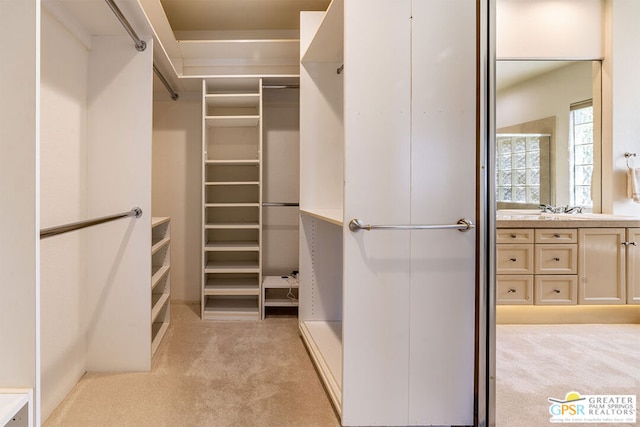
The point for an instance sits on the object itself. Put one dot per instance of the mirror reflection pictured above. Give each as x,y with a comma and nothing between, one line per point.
548,135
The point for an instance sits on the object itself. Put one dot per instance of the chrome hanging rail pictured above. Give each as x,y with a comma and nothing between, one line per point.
462,225
166,84
54,231
140,44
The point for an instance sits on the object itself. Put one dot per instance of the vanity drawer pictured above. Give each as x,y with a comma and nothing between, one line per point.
556,235
556,259
556,290
514,235
514,259
514,289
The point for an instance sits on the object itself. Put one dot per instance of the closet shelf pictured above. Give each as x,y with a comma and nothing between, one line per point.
327,44
158,302
232,226
232,121
11,402
324,341
159,244
281,302
221,183
231,246
158,272
232,205
333,216
232,162
232,267
231,308
232,287
158,330
232,100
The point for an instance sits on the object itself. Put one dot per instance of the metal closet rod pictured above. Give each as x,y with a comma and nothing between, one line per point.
54,231
140,44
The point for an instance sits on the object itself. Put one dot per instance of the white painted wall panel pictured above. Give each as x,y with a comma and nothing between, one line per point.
377,96
119,162
19,187
177,186
63,199
443,183
562,29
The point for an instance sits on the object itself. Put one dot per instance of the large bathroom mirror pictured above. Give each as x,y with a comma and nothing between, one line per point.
548,143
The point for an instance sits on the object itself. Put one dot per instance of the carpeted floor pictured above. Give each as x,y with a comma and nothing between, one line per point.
259,374
208,374
536,362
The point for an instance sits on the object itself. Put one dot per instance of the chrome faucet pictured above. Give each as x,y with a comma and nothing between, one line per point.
550,209
572,209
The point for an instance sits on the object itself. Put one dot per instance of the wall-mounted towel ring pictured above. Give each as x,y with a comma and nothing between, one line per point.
629,161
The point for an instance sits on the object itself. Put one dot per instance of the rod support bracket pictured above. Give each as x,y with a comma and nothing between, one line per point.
137,212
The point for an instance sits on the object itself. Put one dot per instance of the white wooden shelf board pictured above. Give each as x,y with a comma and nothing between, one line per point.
231,308
157,220
158,272
232,267
232,246
232,162
232,205
232,121
232,100
158,301
232,183
158,330
280,302
157,245
324,341
250,50
11,402
334,216
327,45
232,226
232,287
277,282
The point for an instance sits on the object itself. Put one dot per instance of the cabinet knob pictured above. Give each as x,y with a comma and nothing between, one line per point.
630,243
511,291
557,291
557,236
556,258
513,236
513,259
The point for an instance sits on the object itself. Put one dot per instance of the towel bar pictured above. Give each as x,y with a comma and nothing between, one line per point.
462,225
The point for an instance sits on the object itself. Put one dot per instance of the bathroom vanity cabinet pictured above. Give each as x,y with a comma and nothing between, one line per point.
585,263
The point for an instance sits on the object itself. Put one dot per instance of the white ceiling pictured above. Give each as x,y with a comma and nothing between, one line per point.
224,15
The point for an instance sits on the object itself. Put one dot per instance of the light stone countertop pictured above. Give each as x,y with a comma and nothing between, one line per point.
530,219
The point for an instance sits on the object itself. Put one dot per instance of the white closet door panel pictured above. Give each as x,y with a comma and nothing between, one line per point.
443,177
377,159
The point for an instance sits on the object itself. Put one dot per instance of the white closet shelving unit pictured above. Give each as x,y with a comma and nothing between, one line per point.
15,407
232,198
387,112
160,279
322,193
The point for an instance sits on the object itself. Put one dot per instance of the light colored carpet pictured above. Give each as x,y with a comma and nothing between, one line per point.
208,374
535,362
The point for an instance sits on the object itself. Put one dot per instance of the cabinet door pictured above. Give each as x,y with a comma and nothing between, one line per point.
633,266
601,266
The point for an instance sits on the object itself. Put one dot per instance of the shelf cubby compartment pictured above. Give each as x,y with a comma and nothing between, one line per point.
226,307
238,213
232,284
232,85
236,141
232,194
216,174
16,407
232,262
160,279
232,104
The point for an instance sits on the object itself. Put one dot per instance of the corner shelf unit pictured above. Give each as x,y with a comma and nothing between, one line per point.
231,198
16,407
279,291
160,279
